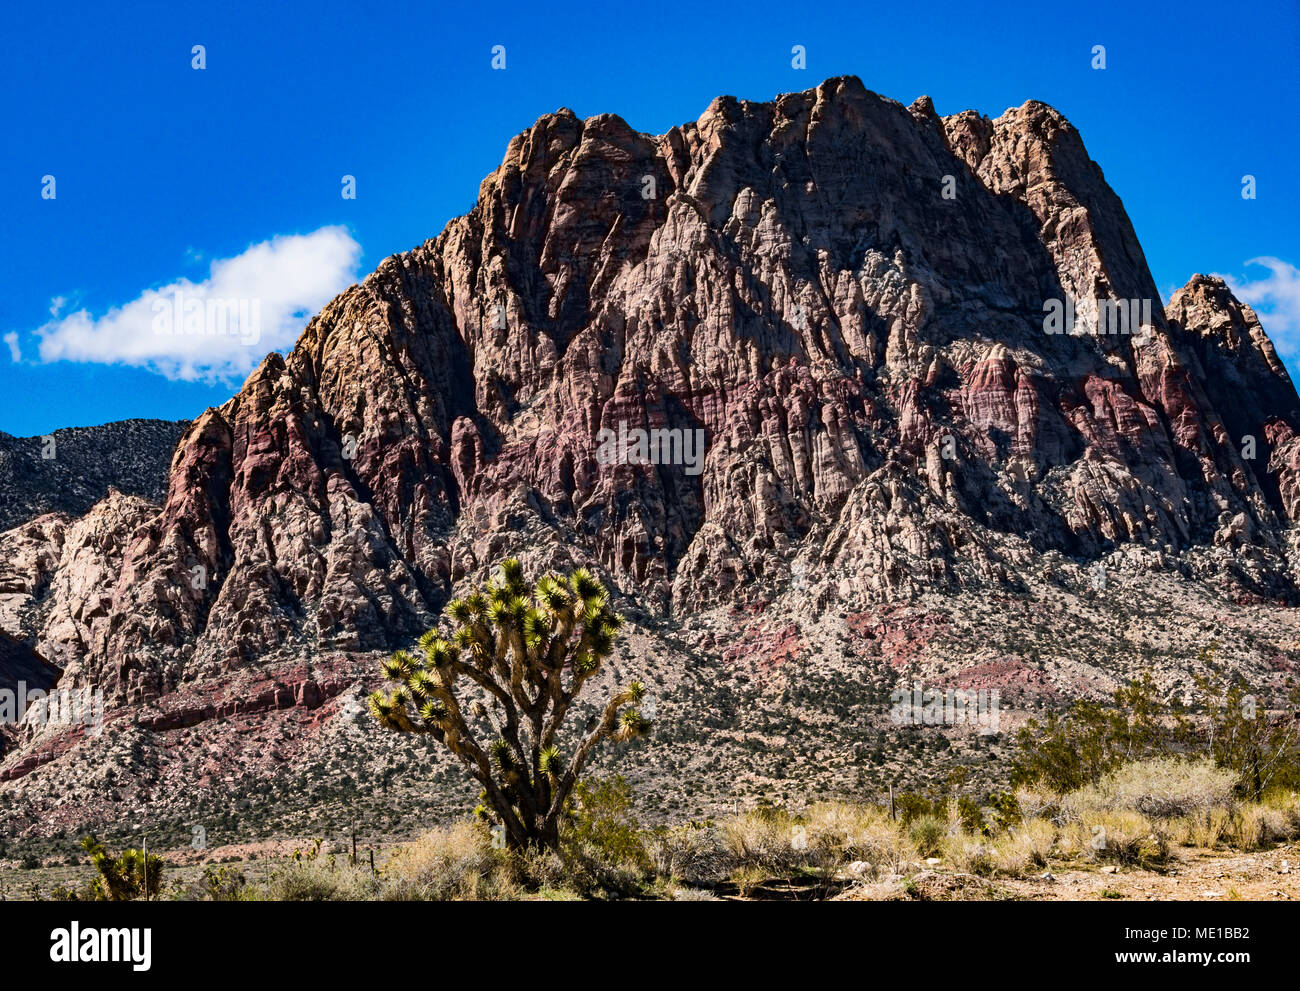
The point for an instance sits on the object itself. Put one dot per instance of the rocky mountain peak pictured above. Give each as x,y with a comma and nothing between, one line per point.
826,311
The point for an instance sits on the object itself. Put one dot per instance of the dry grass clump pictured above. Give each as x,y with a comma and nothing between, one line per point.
316,878
967,853
679,894
692,853
1249,828
1208,830
1131,817
764,837
1286,804
1120,835
1199,831
748,877
1023,847
840,833
445,864
1037,803
1162,788
928,832
765,843
1258,825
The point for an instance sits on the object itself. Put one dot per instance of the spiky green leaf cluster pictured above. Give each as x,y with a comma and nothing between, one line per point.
127,876
528,650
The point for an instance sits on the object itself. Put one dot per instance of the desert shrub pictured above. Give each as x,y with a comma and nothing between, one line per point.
220,884
1023,847
449,864
1088,741
839,833
910,806
763,837
1119,835
1004,810
311,877
927,833
1079,747
600,841
692,853
1263,751
540,871
1161,787
320,882
971,815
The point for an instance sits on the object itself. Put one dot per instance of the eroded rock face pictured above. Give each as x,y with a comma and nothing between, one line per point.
881,407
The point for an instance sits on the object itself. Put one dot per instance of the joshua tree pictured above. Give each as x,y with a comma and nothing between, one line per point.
528,651
131,875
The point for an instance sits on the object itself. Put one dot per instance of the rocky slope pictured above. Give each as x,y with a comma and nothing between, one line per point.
905,473
70,470
22,670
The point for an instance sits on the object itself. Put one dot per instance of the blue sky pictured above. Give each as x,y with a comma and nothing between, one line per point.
161,170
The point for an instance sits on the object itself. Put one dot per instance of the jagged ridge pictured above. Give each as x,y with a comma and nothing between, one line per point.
798,288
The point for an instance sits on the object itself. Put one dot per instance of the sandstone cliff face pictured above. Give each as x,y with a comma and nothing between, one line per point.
882,409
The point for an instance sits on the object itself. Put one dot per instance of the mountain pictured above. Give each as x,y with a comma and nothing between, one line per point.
48,482
70,470
905,472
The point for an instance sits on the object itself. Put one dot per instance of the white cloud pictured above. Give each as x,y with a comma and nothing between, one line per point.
221,327
1275,298
15,352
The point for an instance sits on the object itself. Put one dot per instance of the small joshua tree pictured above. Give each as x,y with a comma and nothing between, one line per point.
123,878
527,651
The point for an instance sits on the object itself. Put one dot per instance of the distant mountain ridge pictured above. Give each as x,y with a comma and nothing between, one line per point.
132,456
